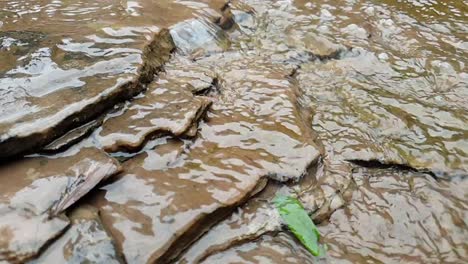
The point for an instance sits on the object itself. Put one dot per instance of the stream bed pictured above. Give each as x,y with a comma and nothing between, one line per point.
141,131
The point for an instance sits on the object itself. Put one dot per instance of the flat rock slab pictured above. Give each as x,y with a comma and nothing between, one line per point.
63,64
36,191
253,131
321,194
167,107
275,248
51,185
24,233
32,119
85,241
249,222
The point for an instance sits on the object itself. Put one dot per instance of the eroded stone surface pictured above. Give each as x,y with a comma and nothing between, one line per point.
280,248
23,233
249,222
45,115
85,241
360,123
372,102
397,97
253,130
55,76
36,191
171,106
166,108
259,217
193,77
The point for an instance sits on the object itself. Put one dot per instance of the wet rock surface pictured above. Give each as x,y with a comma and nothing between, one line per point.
36,191
397,216
281,248
241,144
166,108
57,76
24,233
248,223
213,108
197,37
85,241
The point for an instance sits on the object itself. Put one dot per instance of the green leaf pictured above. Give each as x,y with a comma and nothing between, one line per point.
299,222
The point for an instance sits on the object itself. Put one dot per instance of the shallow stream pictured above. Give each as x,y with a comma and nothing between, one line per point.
142,131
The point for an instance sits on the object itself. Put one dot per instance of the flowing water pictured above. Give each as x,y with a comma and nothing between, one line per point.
143,131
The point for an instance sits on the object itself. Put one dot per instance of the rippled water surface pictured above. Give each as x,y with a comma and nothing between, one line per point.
143,131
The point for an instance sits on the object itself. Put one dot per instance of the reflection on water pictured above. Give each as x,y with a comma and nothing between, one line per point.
59,56
400,217
251,94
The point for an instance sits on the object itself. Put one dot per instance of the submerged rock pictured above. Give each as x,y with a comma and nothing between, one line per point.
198,37
249,222
395,216
36,191
362,122
23,233
64,64
85,241
195,78
279,248
51,185
326,190
320,192
166,108
252,132
35,112
206,148
171,207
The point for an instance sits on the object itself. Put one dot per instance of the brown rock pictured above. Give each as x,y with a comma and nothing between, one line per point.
52,113
36,191
85,241
166,108
254,130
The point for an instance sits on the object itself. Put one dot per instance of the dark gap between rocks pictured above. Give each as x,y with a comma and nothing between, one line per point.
375,164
